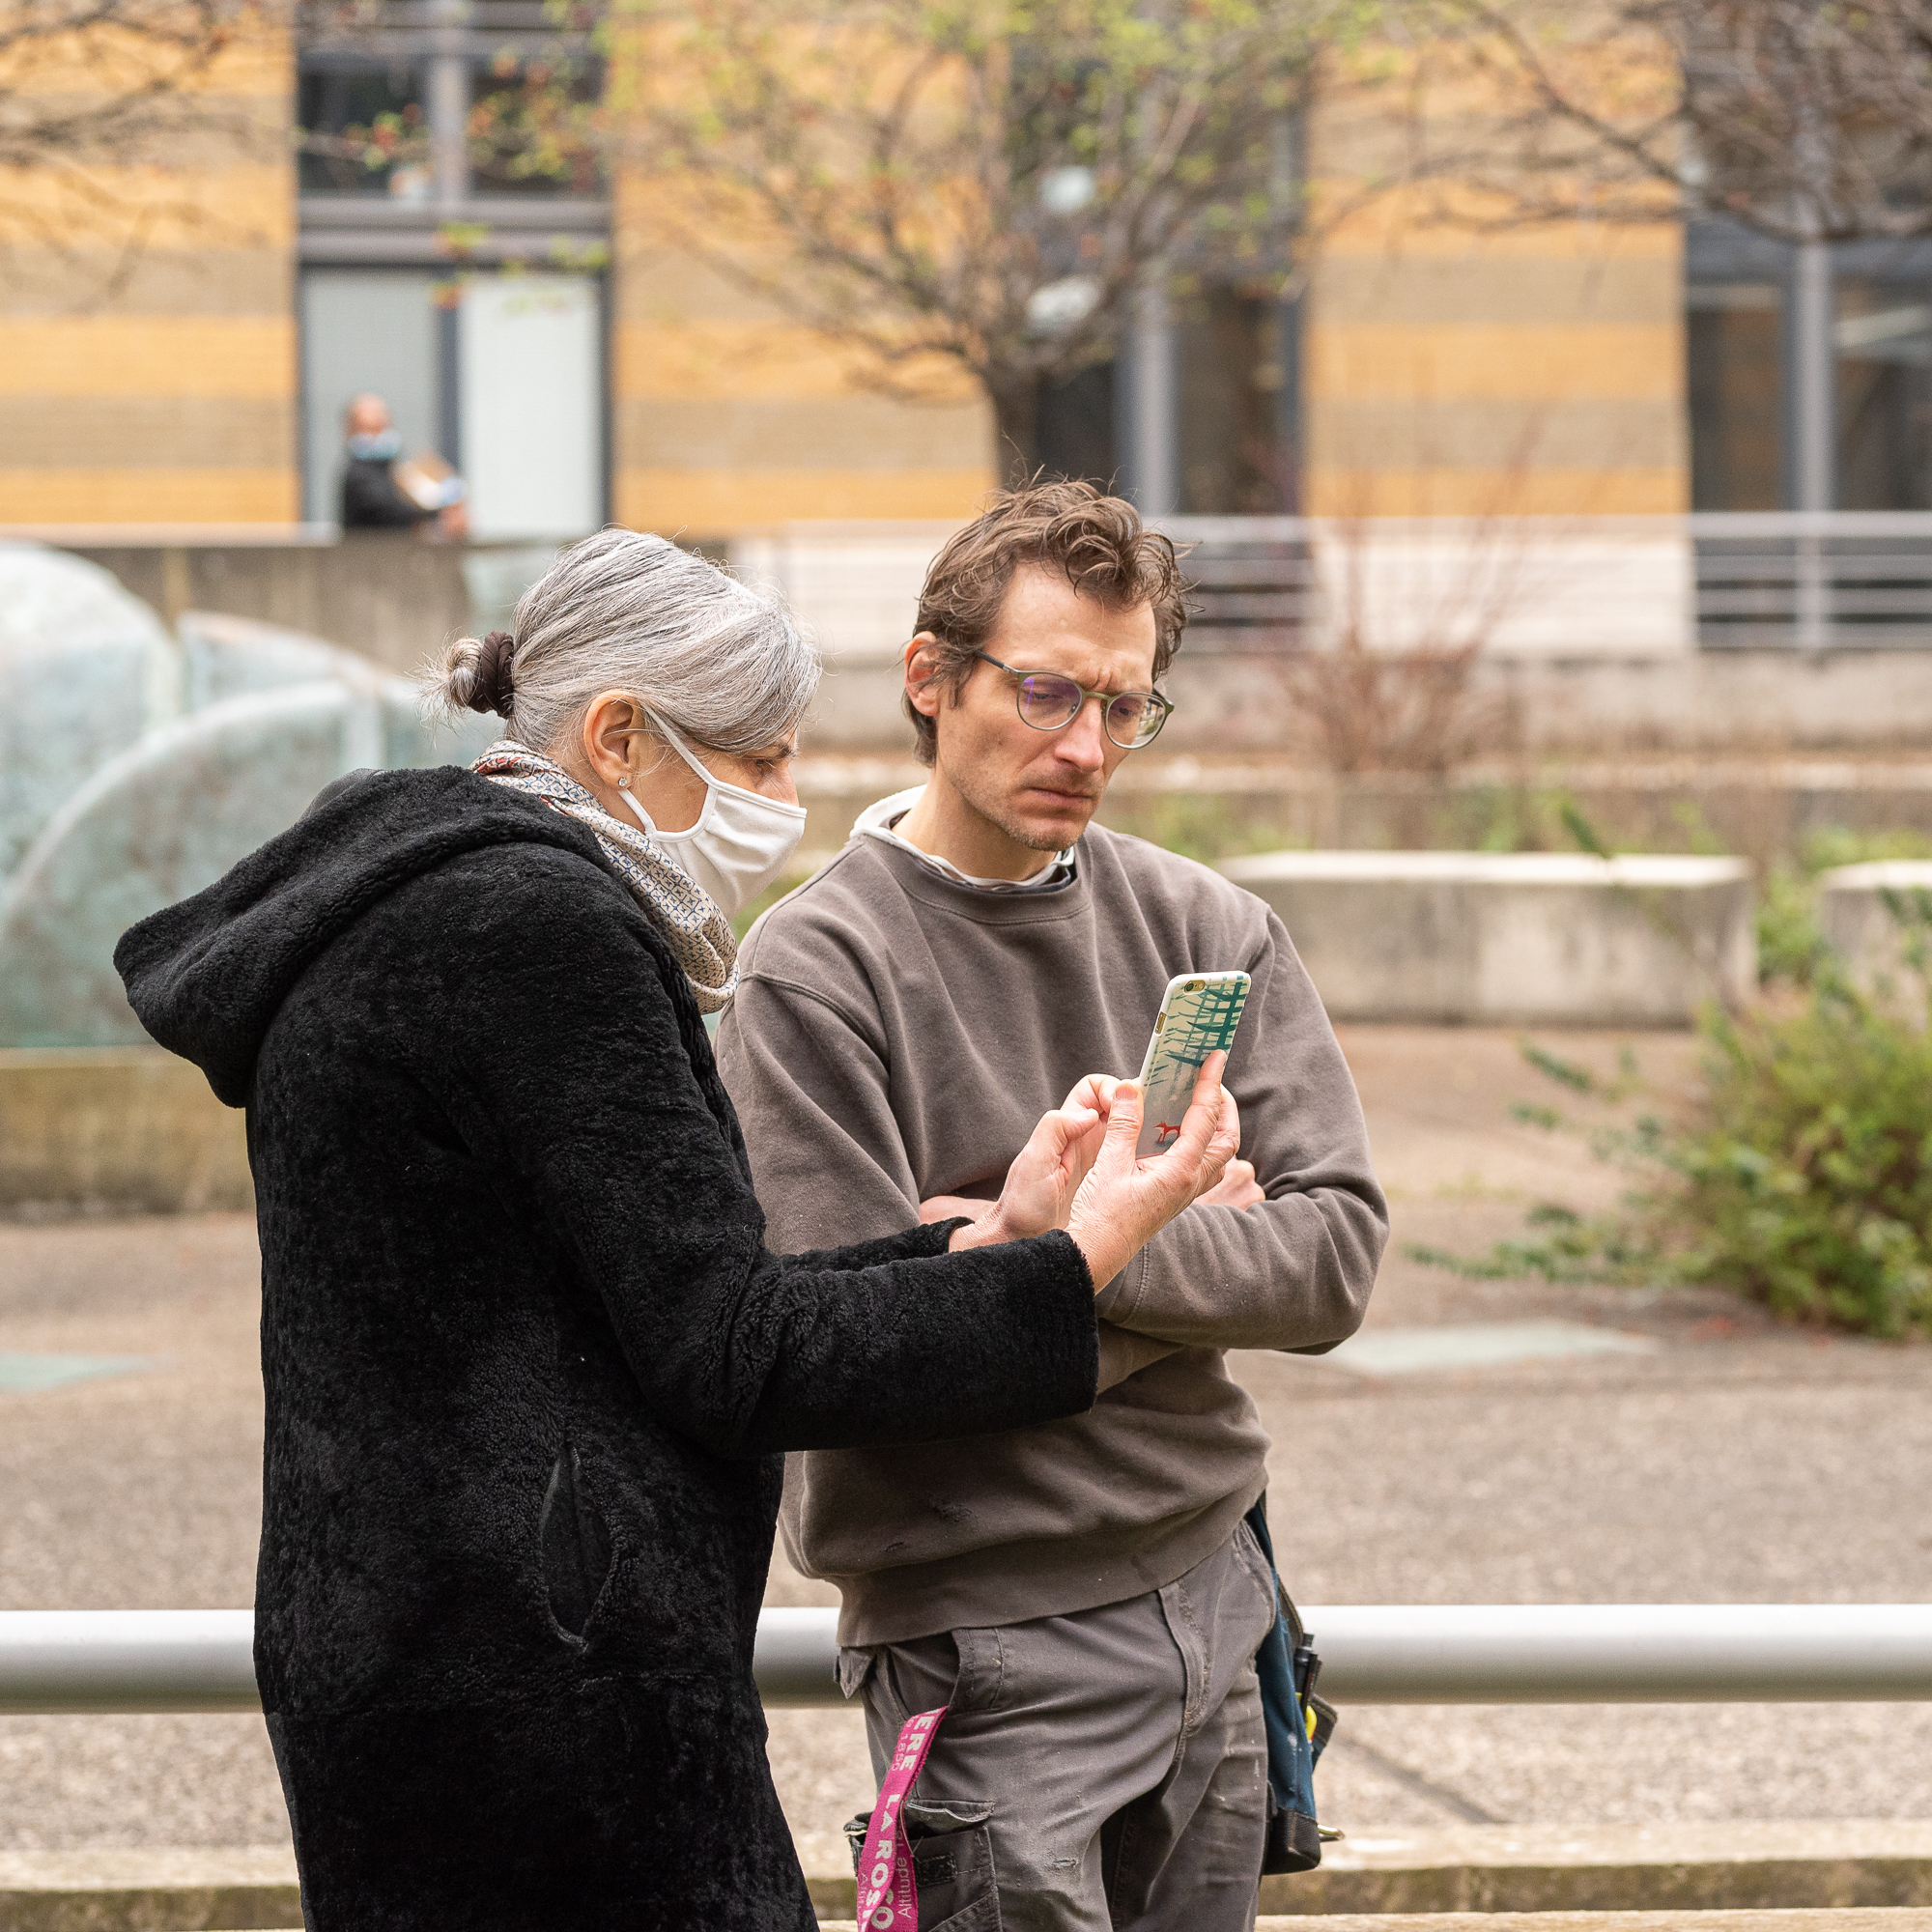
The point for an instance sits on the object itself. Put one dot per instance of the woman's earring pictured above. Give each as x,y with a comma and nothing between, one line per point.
624,783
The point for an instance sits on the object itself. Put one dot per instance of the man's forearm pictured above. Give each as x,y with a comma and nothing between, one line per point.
1293,1272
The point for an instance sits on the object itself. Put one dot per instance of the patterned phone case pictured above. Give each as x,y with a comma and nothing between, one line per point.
1198,1013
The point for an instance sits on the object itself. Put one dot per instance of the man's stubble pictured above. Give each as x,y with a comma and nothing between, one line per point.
987,802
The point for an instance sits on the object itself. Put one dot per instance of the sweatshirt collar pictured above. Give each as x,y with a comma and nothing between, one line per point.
878,821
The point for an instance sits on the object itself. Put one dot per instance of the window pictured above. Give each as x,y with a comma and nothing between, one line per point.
534,121
424,121
1733,336
1882,339
1074,429
362,126
1236,445
501,374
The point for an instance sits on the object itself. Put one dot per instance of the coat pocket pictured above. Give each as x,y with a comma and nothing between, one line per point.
576,1546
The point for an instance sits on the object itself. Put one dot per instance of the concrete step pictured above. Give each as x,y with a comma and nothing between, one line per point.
1616,1868
1875,1918
1862,1877
149,1891
1482,1868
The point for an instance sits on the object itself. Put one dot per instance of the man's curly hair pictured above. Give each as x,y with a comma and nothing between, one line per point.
1097,540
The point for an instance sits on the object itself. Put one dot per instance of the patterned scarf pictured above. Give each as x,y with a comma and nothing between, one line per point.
699,936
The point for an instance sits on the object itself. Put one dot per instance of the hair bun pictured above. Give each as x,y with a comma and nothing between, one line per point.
492,690
490,686
472,673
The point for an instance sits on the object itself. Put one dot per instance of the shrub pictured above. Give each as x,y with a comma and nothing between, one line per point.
1801,1176
1806,1182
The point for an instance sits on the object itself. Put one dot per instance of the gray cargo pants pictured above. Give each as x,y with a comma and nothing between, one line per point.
1095,1772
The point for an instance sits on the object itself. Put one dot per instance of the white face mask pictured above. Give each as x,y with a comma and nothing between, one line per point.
741,841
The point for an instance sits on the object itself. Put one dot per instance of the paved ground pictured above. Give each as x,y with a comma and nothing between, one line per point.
1734,1462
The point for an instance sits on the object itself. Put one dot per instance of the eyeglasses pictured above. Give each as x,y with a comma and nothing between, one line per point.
1048,702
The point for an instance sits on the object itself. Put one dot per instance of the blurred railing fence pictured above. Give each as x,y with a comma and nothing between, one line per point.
146,1661
1522,587
1839,579
1836,580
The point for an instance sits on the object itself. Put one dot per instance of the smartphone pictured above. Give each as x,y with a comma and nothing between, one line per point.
1199,1012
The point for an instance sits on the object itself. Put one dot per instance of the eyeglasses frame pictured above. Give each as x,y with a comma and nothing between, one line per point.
1107,699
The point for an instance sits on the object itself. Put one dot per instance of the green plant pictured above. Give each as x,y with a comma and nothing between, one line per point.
1789,942
1801,1176
1207,826
1808,1183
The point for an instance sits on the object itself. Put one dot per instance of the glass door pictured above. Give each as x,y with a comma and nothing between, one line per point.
531,381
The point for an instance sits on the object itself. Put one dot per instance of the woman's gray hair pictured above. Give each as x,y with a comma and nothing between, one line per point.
724,664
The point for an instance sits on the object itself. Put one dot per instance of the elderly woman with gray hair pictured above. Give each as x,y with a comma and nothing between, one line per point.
530,1366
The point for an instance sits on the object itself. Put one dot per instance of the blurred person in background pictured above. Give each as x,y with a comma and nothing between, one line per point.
1084,1594
529,1363
380,490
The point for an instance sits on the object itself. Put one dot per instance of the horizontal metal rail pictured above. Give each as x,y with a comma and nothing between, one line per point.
132,1661
1757,581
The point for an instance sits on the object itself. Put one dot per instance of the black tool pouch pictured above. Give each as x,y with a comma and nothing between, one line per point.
1300,1724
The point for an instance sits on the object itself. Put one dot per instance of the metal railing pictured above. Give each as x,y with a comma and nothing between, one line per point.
1817,580
1772,579
139,1661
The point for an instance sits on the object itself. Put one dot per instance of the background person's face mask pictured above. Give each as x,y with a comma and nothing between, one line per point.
741,841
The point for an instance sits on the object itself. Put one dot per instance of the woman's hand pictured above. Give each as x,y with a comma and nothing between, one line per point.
1124,1202
1044,1178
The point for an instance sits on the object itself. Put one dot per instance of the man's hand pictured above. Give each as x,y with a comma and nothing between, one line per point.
948,1207
1236,1188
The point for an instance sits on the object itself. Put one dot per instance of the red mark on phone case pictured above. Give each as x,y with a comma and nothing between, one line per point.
1162,1134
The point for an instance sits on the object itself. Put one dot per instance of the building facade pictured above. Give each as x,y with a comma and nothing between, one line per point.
178,347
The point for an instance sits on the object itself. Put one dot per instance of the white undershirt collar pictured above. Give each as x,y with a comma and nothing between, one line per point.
877,821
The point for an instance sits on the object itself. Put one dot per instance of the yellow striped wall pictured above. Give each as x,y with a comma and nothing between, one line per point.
148,358
1535,372
724,414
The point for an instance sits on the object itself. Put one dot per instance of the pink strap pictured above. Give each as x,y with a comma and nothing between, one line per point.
887,1898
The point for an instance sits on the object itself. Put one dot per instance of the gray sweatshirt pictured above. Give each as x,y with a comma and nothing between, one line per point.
896,1034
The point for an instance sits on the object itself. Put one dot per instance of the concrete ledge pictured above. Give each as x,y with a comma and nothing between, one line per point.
119,1130
1515,938
1738,1877
1893,1920
1626,1869
1871,915
1855,1919
158,1891
1616,1868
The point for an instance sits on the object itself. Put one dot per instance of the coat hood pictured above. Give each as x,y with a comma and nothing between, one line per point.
207,977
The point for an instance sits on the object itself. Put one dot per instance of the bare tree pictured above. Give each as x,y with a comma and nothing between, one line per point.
88,87
1806,120
984,187
100,81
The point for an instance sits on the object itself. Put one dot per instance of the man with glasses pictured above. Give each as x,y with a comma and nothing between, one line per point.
1083,1598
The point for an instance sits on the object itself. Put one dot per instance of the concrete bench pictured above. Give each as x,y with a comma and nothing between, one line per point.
1871,915
1513,938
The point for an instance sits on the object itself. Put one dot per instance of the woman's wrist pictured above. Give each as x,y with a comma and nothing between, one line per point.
1102,1249
988,1230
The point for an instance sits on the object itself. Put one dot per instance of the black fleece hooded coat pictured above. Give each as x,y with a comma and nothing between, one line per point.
529,1369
